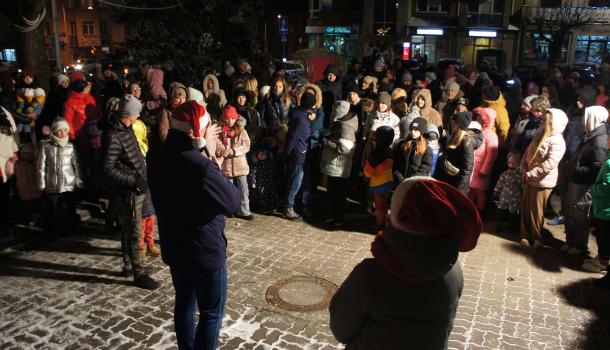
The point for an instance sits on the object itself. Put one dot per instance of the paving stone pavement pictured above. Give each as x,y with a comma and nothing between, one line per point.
70,295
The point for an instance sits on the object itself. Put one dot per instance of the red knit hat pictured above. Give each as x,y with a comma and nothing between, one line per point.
229,113
188,117
424,206
77,75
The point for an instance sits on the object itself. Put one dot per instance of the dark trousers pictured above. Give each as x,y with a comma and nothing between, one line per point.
5,207
337,193
51,207
129,217
206,290
603,238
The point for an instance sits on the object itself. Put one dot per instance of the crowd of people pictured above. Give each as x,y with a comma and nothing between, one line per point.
250,140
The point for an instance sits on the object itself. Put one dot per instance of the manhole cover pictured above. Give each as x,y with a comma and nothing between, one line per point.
301,293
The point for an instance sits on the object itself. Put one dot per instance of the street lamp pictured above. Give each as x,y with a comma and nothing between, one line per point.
90,5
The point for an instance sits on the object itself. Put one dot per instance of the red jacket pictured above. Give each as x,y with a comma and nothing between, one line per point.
82,113
80,109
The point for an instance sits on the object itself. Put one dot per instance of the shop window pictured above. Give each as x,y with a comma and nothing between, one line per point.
591,49
486,6
432,5
473,45
537,49
88,29
9,55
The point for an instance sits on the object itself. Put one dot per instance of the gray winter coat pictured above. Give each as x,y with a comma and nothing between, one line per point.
339,149
57,168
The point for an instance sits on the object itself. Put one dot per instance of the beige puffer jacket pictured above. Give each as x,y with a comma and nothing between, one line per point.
236,163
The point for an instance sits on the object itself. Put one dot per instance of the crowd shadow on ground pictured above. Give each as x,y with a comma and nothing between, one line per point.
582,294
19,266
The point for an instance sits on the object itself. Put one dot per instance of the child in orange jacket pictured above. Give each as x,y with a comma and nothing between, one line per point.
378,168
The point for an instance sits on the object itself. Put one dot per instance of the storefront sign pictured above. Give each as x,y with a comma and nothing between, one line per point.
430,31
338,30
483,33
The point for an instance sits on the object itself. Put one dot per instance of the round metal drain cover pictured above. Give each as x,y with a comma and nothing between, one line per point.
301,293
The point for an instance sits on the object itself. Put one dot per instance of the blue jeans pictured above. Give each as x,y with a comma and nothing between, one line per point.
295,171
242,184
208,290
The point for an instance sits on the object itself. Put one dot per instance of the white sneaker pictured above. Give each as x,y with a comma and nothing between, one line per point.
594,265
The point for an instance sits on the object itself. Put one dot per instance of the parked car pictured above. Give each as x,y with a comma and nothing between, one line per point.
586,72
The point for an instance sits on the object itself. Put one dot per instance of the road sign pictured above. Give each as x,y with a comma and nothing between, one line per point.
284,24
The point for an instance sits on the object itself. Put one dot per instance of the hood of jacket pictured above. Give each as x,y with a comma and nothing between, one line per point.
214,80
499,103
349,121
315,88
154,77
594,117
489,116
588,94
559,122
176,86
425,93
332,68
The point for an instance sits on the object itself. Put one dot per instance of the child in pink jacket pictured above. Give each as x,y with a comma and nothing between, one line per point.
484,157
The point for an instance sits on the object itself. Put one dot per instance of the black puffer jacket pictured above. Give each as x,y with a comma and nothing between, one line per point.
589,158
461,157
123,162
275,110
407,163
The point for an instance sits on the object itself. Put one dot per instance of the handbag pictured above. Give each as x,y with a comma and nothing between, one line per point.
450,169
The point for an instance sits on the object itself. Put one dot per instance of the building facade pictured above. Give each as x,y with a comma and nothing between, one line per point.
86,30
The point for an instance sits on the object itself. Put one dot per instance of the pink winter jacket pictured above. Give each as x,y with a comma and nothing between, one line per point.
543,169
485,155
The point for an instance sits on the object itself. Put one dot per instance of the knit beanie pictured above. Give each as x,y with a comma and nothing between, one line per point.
229,113
385,98
62,78
129,106
308,101
340,108
407,76
463,119
59,124
432,129
77,75
453,87
419,124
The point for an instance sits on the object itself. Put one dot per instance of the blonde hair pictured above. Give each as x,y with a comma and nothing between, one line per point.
539,138
456,136
251,85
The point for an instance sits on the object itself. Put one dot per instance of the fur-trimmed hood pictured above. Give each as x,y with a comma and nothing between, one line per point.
213,78
315,88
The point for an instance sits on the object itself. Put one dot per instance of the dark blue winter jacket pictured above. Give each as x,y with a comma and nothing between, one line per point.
299,132
190,196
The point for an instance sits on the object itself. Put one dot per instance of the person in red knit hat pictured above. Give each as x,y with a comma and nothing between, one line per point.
231,148
407,295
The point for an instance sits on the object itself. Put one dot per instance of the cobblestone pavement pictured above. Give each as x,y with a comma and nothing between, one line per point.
69,295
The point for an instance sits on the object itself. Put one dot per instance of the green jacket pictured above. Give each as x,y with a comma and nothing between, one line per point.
600,192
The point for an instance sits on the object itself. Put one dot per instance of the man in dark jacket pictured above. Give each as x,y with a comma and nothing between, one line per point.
582,171
299,131
191,197
332,89
125,167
